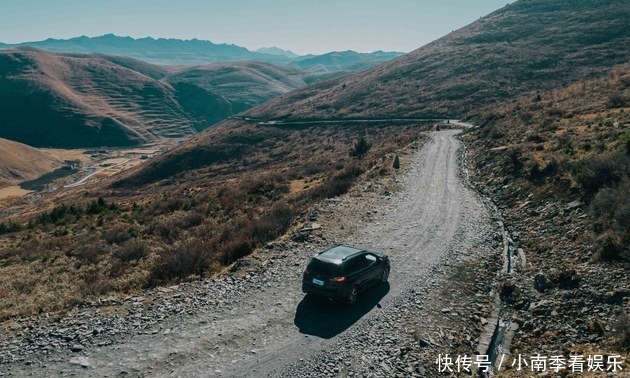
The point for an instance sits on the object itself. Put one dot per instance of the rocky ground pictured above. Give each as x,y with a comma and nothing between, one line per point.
443,239
559,296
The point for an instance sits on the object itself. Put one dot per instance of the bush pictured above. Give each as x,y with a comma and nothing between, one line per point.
166,228
191,219
536,174
600,171
514,163
117,234
9,227
360,148
339,183
616,100
89,253
272,224
180,262
131,250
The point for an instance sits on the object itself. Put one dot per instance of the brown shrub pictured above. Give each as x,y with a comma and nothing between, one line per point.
191,219
89,253
94,282
131,250
167,228
191,257
117,234
600,171
338,183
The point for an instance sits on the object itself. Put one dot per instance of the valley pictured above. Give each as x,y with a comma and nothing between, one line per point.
155,220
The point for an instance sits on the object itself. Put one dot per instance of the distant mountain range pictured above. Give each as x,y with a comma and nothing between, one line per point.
527,46
197,52
277,51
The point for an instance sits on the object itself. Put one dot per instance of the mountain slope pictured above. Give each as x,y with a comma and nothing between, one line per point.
343,61
78,100
19,162
527,45
49,99
243,84
277,51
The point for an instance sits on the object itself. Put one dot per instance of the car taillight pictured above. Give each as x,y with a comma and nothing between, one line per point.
338,279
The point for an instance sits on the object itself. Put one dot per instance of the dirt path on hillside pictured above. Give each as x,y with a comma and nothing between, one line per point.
257,322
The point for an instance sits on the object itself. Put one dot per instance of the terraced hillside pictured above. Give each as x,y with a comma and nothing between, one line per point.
76,101
524,46
243,84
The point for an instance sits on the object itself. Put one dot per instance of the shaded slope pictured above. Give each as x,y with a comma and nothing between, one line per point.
19,162
528,45
75,101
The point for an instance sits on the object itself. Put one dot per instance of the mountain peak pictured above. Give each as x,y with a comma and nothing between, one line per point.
277,51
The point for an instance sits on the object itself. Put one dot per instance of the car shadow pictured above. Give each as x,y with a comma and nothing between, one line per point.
326,319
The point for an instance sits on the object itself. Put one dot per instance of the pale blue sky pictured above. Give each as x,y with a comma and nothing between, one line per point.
304,26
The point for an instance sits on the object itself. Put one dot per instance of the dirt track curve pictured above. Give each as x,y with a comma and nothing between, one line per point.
261,324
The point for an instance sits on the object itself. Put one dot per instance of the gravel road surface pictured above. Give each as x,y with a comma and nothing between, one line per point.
256,321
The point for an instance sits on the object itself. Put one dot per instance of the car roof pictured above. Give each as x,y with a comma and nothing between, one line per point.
338,253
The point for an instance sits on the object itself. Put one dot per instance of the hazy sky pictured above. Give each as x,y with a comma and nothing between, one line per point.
304,26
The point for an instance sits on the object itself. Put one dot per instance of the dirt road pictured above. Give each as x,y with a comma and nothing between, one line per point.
260,324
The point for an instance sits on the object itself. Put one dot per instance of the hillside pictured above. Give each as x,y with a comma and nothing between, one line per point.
50,99
103,100
527,45
343,61
19,162
243,84
558,165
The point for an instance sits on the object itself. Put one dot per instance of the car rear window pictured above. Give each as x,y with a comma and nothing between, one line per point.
324,268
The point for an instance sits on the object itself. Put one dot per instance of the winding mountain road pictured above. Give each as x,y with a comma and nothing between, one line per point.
265,327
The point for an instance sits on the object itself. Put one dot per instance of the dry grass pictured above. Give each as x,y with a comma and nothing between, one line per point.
524,46
572,143
157,226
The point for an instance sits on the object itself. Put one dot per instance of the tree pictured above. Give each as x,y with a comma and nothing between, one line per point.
360,148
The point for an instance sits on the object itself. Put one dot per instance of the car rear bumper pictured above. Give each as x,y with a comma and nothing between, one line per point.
336,292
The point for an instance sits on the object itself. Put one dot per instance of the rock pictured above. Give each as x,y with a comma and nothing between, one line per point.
81,361
566,279
573,204
76,348
542,283
311,227
509,292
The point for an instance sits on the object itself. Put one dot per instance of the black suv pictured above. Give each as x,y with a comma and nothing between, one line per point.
341,272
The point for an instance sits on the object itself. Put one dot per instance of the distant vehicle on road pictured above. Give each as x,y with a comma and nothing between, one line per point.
342,272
